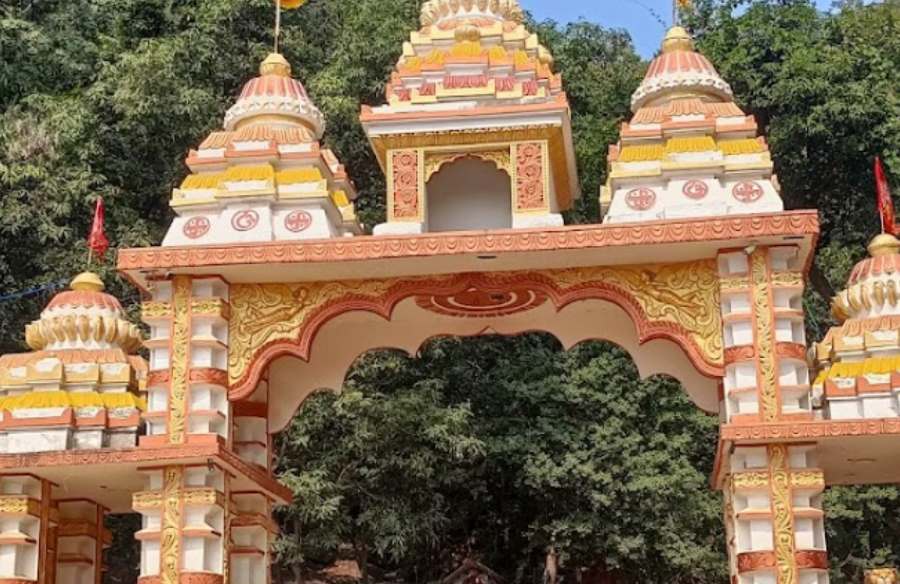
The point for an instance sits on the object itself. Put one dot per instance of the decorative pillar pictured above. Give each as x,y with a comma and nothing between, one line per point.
531,186
185,525
405,170
81,538
773,508
185,508
27,530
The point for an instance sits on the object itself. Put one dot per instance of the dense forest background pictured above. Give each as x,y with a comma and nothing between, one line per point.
495,447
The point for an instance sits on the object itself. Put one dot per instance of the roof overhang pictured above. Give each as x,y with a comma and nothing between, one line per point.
385,256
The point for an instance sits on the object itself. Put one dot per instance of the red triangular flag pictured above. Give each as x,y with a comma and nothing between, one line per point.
885,204
97,241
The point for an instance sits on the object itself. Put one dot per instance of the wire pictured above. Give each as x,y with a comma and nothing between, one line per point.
52,286
652,12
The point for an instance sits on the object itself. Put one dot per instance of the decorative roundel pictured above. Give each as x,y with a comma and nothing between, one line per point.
640,199
747,192
297,221
695,189
475,303
245,220
196,227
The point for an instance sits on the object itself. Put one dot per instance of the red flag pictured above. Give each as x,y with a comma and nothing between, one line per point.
885,204
97,241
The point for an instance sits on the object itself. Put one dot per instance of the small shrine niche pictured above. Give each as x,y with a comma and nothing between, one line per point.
476,131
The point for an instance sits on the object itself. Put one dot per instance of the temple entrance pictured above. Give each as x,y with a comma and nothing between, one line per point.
517,419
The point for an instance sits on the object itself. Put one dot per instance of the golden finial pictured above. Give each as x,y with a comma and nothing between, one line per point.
677,39
884,244
275,64
88,282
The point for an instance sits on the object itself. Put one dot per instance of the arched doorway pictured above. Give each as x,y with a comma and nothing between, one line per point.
468,193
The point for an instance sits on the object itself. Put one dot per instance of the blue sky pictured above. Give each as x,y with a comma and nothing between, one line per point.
627,14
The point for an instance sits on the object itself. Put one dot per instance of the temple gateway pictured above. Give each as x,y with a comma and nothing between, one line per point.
265,290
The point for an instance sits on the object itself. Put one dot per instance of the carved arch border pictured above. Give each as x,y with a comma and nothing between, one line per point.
435,161
695,328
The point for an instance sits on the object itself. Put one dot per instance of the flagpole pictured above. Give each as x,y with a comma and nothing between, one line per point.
277,22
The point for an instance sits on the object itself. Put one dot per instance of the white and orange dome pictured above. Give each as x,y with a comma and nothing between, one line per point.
680,70
84,317
275,98
873,289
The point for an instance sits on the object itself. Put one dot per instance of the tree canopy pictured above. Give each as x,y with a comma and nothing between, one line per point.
506,446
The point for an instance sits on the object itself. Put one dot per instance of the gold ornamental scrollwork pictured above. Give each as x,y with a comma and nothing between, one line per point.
684,295
765,335
434,161
263,314
179,356
751,480
782,514
146,500
677,300
171,525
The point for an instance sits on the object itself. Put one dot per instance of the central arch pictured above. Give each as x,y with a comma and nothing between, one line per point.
466,193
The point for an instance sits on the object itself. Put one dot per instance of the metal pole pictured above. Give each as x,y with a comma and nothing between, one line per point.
277,22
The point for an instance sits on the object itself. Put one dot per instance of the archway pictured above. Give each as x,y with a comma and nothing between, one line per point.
532,405
468,193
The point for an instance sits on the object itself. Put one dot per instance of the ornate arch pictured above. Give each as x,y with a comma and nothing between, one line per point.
435,161
678,302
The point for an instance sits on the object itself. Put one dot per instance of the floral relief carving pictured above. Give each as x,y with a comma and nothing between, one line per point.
530,176
405,177
678,301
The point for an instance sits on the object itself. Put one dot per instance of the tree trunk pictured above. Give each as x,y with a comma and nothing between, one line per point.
361,551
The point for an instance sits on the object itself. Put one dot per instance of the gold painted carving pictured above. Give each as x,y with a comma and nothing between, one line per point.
143,500
531,192
179,355
765,336
262,314
202,496
751,480
782,515
685,296
808,479
882,576
787,279
210,307
734,283
19,505
434,161
171,522
153,309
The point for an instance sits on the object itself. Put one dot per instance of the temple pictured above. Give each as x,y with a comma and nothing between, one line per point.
265,290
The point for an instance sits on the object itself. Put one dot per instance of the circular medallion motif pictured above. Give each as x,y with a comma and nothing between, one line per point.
640,199
245,220
297,221
475,303
196,227
695,189
747,192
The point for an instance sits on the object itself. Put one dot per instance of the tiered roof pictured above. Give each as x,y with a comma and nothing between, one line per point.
689,150
82,359
269,150
472,50
859,360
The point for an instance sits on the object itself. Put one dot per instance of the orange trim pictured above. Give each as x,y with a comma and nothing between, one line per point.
786,224
248,409
755,561
560,103
791,431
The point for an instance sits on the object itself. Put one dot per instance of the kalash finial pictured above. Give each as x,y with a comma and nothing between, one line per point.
87,282
275,64
677,39
884,244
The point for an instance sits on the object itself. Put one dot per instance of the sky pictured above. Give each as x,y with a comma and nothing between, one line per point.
628,14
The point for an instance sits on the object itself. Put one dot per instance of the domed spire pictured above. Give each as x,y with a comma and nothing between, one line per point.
83,317
276,98
444,12
873,288
680,71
